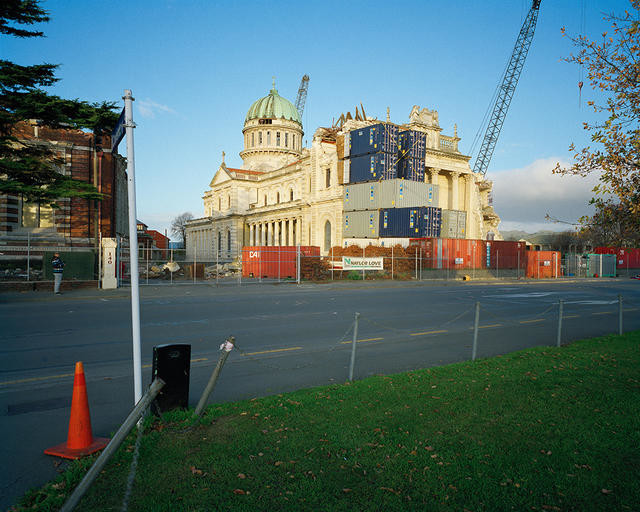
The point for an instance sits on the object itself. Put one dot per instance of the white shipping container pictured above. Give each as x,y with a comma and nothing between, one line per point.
396,193
360,224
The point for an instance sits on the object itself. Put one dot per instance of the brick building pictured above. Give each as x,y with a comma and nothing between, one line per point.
77,222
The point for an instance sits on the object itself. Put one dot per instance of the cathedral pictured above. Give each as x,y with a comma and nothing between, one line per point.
287,194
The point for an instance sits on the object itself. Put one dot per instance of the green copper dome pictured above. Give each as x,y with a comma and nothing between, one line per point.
273,106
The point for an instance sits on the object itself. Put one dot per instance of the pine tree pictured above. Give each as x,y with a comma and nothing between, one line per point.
28,169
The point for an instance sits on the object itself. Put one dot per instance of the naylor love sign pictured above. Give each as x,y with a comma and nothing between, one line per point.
357,263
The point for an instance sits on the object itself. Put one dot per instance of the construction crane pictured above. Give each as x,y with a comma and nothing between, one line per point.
302,95
507,88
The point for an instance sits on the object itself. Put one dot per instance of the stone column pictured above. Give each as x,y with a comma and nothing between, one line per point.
276,233
290,238
455,177
251,234
435,171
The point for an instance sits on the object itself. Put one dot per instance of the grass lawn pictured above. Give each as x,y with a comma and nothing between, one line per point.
541,429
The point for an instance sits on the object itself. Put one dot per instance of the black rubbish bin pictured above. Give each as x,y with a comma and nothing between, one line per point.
172,364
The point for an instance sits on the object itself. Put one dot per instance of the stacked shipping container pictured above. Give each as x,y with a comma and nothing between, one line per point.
274,261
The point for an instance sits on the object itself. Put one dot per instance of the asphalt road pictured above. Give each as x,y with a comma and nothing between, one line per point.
289,336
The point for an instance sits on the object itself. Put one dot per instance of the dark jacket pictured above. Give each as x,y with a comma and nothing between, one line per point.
57,265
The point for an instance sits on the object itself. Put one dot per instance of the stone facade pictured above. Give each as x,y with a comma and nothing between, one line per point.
288,195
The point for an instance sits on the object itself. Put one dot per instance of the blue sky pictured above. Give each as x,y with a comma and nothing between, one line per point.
196,66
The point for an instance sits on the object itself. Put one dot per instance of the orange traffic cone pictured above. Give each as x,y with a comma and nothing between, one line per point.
80,440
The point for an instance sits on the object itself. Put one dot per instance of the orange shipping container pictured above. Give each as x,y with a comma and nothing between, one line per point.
451,253
273,261
543,264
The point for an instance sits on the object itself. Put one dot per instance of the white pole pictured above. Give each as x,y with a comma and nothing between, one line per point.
28,254
133,247
99,258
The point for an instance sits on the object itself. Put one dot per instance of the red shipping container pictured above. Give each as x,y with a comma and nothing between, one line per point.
277,261
626,257
503,254
451,253
543,264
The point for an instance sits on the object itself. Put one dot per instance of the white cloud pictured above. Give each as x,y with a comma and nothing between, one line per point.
522,197
149,108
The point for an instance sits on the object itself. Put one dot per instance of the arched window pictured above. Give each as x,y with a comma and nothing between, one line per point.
265,199
268,138
277,138
286,139
327,236
277,197
229,200
260,138
253,139
291,195
219,241
328,178
220,204
293,143
228,240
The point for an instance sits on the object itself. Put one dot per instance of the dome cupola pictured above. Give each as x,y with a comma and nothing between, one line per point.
272,133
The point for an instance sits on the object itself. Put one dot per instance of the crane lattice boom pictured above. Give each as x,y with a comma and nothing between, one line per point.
507,88
302,95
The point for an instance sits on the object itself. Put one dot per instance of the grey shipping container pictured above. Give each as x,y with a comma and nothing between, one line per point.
360,224
376,138
454,224
394,193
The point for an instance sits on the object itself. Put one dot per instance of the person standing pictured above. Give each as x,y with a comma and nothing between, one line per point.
57,265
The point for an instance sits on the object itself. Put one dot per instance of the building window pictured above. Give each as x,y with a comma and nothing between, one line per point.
328,178
228,240
35,215
291,195
268,138
286,140
277,138
293,139
220,204
264,121
265,199
219,240
277,197
229,201
253,139
327,236
260,138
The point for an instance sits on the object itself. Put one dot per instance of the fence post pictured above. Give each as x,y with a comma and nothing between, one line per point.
416,264
620,315
226,349
332,263
28,255
391,263
559,337
518,269
353,347
194,263
474,349
148,250
171,273
363,265
497,264
298,263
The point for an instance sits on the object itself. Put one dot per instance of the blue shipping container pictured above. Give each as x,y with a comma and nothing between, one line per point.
379,166
411,169
409,222
412,144
374,139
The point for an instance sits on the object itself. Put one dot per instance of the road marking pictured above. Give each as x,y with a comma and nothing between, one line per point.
426,332
64,375
36,379
360,341
272,351
571,316
630,309
604,313
532,321
488,326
